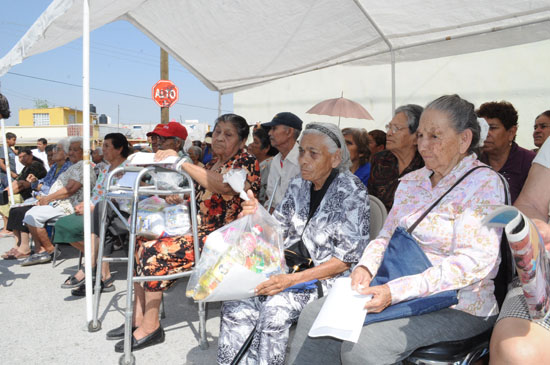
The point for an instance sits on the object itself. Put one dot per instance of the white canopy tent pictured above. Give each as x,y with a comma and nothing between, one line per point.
232,45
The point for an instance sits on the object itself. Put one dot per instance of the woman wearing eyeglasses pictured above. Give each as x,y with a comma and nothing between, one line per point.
400,156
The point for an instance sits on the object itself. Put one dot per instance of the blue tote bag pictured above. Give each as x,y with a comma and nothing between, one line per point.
403,257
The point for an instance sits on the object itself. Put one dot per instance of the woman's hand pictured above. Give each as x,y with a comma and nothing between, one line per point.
174,199
360,279
163,154
544,230
31,178
43,201
249,206
275,284
381,298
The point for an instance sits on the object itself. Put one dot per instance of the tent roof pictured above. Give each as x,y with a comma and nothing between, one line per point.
230,45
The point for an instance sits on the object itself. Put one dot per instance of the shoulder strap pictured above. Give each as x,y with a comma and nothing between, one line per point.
411,228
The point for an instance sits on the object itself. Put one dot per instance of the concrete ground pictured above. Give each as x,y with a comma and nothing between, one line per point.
43,324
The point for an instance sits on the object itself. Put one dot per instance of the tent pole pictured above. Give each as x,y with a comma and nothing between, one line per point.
219,103
86,157
392,82
7,161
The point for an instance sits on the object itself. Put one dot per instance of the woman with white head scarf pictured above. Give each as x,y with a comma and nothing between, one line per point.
326,212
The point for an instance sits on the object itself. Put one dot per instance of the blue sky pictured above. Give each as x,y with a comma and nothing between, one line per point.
123,60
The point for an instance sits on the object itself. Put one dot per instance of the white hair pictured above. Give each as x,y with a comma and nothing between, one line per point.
330,143
78,140
63,143
99,150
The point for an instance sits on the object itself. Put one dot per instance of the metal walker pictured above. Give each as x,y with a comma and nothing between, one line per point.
133,194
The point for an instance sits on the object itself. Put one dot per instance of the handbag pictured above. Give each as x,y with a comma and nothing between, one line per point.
403,257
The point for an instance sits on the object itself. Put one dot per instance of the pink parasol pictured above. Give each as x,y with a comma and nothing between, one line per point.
340,107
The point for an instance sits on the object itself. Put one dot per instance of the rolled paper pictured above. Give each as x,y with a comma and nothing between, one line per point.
532,264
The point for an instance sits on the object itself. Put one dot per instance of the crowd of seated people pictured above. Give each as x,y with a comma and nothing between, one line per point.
318,185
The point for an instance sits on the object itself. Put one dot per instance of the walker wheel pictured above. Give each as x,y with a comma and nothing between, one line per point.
121,361
91,327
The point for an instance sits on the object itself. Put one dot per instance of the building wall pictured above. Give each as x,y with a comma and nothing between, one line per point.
58,116
517,74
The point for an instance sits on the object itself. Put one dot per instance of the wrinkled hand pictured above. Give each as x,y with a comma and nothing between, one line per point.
544,230
249,206
360,279
381,298
174,199
79,209
275,284
43,201
162,154
31,178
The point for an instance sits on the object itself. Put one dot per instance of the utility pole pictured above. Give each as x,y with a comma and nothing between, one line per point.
118,116
164,112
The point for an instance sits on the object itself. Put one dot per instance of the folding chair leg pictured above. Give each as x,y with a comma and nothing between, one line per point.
79,260
55,250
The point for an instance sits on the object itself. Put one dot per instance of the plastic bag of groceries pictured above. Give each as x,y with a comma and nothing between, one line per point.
238,257
156,218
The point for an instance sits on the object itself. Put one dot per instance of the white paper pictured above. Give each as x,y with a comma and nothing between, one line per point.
239,283
147,158
343,313
236,178
128,179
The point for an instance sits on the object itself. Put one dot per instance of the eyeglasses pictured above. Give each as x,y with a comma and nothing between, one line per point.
393,128
162,138
541,126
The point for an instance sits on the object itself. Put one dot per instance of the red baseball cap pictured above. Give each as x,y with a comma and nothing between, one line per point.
172,129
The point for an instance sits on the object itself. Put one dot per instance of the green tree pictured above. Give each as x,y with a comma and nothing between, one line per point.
41,104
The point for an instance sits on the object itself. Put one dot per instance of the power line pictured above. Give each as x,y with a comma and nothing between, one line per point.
107,91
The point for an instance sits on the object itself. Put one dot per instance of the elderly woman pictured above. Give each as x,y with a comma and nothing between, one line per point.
42,187
464,253
357,142
518,339
326,208
263,151
70,229
218,204
500,151
65,194
195,153
400,156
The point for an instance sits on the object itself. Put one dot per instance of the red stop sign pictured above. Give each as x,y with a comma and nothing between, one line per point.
165,93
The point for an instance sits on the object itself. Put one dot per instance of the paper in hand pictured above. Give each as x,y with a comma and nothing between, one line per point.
236,178
343,313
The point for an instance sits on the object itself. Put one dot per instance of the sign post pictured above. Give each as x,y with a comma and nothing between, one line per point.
165,93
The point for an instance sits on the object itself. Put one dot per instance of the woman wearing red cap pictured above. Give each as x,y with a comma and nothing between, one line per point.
217,203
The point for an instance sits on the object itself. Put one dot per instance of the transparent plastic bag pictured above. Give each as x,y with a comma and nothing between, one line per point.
237,257
156,218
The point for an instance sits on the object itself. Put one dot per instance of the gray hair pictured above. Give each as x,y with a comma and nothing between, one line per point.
63,143
99,150
413,112
195,149
461,114
331,144
78,140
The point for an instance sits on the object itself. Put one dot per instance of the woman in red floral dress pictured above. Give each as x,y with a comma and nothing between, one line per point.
218,204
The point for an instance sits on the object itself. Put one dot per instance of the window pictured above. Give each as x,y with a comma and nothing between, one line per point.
41,119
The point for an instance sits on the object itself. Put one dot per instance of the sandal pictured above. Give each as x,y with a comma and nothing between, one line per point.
17,256
10,252
107,286
72,282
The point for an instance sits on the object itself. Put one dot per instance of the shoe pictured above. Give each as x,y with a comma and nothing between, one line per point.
17,256
37,258
117,333
107,286
149,340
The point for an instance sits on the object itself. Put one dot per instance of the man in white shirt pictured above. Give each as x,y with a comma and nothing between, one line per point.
284,132
40,151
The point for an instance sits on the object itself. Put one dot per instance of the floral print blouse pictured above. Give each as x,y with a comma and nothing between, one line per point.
339,227
465,254
98,192
216,210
